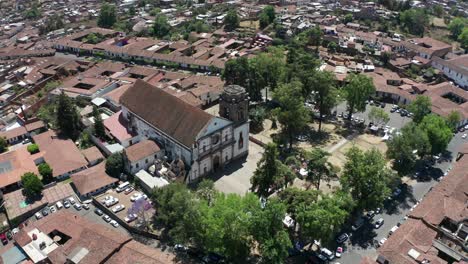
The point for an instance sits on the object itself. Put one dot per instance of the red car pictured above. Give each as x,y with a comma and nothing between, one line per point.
4,239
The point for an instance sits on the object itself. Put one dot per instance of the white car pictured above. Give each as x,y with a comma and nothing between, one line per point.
71,200
106,218
114,223
38,215
382,241
59,205
464,136
78,206
118,208
111,202
130,218
52,209
135,196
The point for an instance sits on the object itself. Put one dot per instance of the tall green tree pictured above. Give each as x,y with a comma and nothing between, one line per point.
267,16
453,119
378,116
291,113
33,12
268,230
438,132
107,15
414,20
295,199
318,166
46,172
3,144
456,26
161,27
67,117
366,177
271,174
115,164
322,220
420,107
32,184
325,93
231,21
463,38
99,129
358,89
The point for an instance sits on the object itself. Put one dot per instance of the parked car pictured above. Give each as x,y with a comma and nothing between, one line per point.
77,206
130,218
129,190
66,204
45,212
111,202
382,241
9,235
135,196
393,230
114,223
38,215
370,214
180,247
4,239
106,218
118,208
339,252
327,253
71,200
98,212
53,209
396,192
59,205
342,238
357,224
85,206
379,223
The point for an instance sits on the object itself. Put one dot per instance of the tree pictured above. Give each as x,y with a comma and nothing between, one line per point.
33,148
332,47
3,144
161,27
32,184
295,199
46,172
438,132
348,18
358,89
33,12
322,220
453,119
378,116
291,113
115,165
264,21
268,230
325,93
366,177
318,166
267,16
107,16
67,117
420,107
438,10
271,174
463,38
99,129
414,20
314,36
456,26
52,23
231,21
257,115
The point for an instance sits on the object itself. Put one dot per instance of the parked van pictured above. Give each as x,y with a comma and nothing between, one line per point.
59,205
122,186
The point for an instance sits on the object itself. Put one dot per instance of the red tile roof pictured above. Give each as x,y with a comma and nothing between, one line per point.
141,150
92,179
92,154
118,127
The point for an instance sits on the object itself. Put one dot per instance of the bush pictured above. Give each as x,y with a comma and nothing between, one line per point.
46,172
115,165
32,184
33,148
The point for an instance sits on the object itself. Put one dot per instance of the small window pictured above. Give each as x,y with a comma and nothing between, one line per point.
241,141
204,148
146,161
226,137
138,165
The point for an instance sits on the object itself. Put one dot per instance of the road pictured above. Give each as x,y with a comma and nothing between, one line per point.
394,211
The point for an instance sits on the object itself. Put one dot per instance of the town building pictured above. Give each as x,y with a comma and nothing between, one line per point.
455,69
204,142
92,181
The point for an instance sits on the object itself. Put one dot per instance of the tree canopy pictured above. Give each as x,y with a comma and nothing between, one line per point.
358,89
161,27
420,108
231,21
291,113
46,172
67,117
366,177
318,166
325,93
453,119
3,144
378,116
115,165
32,184
267,16
414,20
107,15
99,129
463,38
456,26
438,132
271,174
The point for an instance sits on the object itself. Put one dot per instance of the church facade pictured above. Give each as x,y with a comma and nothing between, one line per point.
205,143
